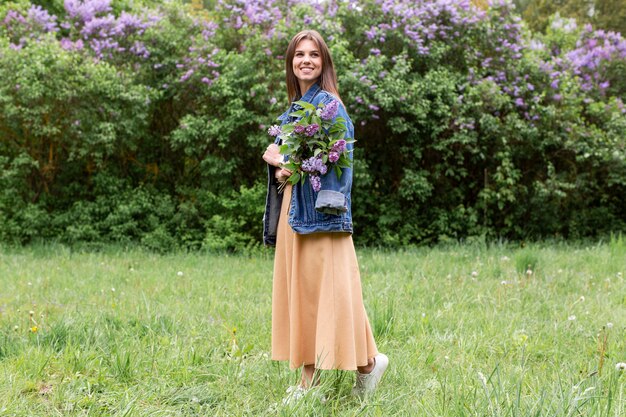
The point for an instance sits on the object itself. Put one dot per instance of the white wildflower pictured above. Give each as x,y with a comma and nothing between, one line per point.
482,378
503,282
180,273
529,272
505,259
572,318
474,274
112,289
620,366
609,325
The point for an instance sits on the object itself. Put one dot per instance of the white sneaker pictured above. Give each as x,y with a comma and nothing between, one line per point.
366,383
297,392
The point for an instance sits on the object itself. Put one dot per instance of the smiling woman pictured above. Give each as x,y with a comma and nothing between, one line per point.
318,317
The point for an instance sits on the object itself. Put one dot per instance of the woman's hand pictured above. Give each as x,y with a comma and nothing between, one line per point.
272,155
282,174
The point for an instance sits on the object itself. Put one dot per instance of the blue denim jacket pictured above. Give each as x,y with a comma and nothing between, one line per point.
328,210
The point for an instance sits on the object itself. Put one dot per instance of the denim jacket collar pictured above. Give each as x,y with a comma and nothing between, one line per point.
310,93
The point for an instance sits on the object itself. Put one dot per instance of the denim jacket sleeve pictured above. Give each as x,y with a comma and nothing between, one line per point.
334,196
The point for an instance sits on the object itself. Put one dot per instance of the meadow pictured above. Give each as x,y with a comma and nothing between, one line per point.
470,330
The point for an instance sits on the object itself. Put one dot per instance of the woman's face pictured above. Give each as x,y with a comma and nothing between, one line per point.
307,63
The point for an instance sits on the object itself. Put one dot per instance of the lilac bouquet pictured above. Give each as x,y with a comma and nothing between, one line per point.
314,143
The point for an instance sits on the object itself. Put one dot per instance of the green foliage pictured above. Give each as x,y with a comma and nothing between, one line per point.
124,149
603,14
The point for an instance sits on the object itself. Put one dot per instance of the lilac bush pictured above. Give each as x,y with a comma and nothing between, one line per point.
467,123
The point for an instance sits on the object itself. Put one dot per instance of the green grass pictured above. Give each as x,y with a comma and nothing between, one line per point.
470,331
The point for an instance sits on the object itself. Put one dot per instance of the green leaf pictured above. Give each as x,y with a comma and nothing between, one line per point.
291,166
338,172
298,113
294,178
307,106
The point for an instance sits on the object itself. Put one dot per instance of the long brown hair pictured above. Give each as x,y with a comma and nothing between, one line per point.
328,77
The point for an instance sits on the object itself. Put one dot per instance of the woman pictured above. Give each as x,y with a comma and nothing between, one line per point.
318,317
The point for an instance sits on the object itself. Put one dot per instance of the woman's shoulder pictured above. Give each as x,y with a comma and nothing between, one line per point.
325,97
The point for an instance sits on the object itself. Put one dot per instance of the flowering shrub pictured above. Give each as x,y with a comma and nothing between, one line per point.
145,122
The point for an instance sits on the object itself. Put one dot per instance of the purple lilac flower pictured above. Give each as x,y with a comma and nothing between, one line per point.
330,111
86,10
312,129
333,156
41,16
313,165
316,183
274,130
299,129
187,75
68,45
139,49
128,22
339,146
13,15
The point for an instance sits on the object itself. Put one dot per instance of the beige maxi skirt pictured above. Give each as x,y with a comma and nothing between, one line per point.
318,316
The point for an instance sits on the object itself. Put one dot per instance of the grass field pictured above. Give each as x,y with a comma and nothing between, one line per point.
474,330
